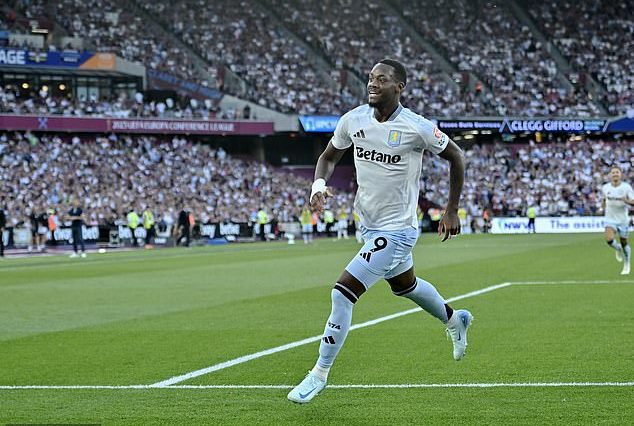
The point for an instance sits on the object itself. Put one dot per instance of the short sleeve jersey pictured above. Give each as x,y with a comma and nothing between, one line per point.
616,210
388,160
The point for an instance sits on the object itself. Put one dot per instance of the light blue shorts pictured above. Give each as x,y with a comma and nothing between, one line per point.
623,229
385,254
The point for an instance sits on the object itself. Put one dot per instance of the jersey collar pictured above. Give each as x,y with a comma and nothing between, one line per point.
392,117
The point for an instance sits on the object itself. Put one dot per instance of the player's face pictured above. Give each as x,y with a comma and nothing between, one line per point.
383,87
615,175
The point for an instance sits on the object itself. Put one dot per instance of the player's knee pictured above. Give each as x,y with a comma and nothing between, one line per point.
402,289
609,242
342,293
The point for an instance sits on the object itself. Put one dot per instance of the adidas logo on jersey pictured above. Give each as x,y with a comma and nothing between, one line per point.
359,134
366,256
379,157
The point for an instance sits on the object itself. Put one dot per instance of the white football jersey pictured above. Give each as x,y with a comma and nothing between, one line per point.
388,159
616,210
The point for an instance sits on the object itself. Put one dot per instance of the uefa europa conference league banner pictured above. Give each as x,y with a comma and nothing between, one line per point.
548,225
134,125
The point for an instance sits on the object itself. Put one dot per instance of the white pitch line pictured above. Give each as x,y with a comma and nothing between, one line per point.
169,383
574,282
350,386
181,378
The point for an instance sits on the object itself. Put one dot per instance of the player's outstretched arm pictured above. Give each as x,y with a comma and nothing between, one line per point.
450,223
323,170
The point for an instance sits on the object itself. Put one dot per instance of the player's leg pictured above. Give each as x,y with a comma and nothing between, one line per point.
363,271
421,292
343,296
44,238
75,241
404,283
306,230
32,241
623,232
610,238
80,235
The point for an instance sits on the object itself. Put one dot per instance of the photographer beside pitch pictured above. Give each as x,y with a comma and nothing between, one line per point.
389,141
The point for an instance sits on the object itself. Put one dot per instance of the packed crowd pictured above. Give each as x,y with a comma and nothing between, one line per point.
112,175
597,37
376,34
250,37
487,39
277,68
120,106
115,27
559,179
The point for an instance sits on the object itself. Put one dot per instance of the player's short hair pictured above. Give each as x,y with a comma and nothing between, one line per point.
399,69
615,166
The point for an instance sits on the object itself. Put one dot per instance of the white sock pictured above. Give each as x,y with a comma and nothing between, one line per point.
427,297
336,329
628,252
616,246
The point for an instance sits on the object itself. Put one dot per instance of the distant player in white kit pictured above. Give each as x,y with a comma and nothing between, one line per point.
389,141
618,196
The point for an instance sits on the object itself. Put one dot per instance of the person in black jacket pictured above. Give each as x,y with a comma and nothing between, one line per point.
76,215
184,228
3,223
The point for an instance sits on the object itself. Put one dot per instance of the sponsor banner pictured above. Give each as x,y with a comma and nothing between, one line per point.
319,124
327,124
129,125
64,234
508,125
548,225
16,57
165,81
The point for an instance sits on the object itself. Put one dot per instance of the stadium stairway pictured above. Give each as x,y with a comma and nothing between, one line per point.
435,51
156,25
445,65
563,66
322,61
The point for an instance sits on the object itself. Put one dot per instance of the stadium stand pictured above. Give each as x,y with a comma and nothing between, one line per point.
304,58
488,40
597,37
276,67
358,46
115,28
253,39
111,174
14,102
561,179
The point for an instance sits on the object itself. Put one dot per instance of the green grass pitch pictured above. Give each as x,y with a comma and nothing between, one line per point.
139,318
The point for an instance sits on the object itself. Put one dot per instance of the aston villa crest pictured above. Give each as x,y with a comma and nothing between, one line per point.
394,138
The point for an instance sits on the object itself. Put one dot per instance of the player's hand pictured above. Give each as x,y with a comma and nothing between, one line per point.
319,200
449,225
